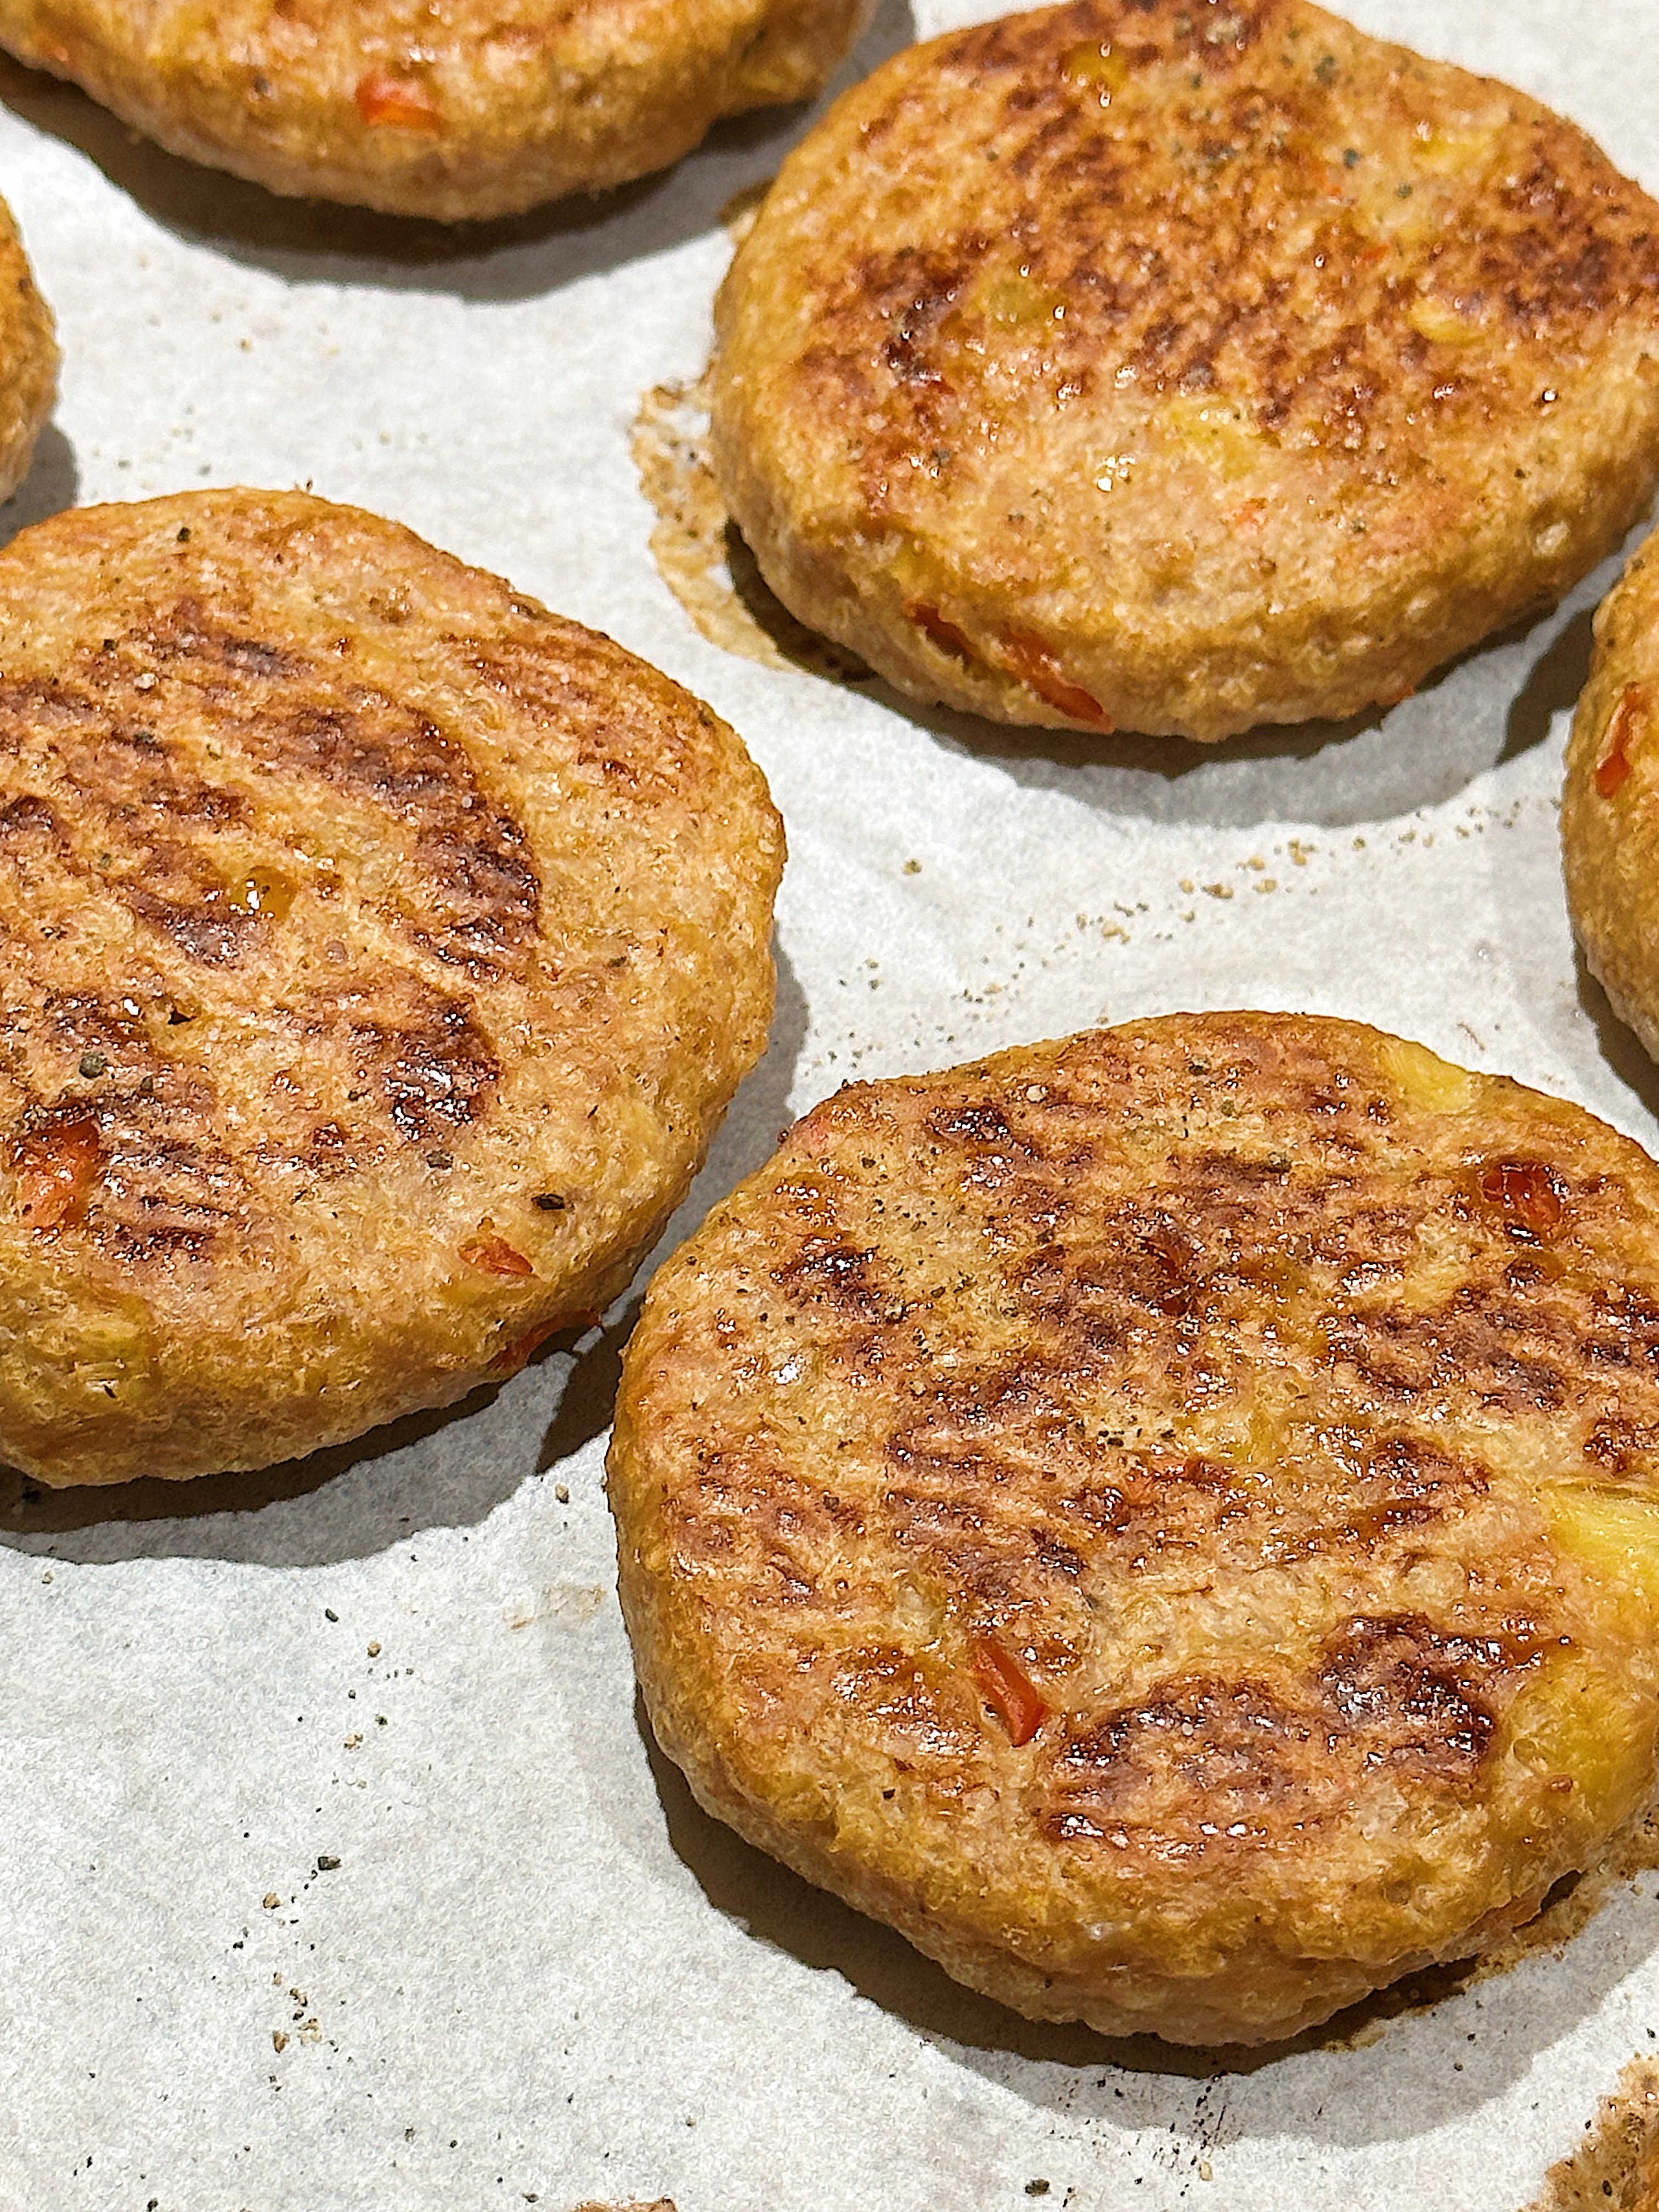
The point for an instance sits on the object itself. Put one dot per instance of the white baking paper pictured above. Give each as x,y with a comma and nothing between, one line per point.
337,1868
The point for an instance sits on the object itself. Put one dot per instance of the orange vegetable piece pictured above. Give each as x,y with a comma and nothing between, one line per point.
1008,1690
1526,1191
945,634
1032,662
494,1255
402,102
511,1357
1613,770
56,1170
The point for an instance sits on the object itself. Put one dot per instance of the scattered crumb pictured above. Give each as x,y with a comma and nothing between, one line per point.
656,2204
701,557
1616,2168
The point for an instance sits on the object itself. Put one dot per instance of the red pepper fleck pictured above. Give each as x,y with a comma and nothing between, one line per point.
945,634
56,1170
1030,659
404,102
1008,1689
511,1357
495,1256
1526,1191
1612,769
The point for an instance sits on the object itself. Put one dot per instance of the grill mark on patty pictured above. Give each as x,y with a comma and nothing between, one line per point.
637,745
133,804
1240,1750
1505,1356
829,1272
185,637
434,1068
131,800
1263,1761
745,1511
1232,1255
387,1049
31,830
1013,1481
481,895
477,905
1422,1697
391,1057
165,1190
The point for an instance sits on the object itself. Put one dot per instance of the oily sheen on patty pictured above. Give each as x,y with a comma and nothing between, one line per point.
380,951
1168,1519
475,108
1183,365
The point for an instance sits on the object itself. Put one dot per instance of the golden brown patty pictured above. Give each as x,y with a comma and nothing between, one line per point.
1181,366
1169,1519
28,359
483,109
380,951
1609,833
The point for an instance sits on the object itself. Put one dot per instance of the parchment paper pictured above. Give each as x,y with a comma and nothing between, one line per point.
337,1871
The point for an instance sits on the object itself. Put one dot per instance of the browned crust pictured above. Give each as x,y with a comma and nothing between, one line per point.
1253,393
1609,834
1275,1399
495,107
381,952
29,358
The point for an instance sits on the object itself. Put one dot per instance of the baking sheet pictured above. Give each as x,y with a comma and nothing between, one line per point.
339,1869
